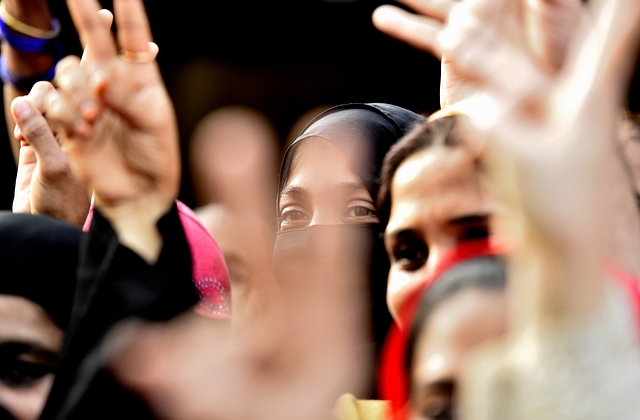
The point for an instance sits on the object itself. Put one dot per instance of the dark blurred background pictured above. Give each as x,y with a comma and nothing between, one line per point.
281,57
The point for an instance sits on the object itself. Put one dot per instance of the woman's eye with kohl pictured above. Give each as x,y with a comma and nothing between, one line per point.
19,373
293,217
361,213
410,253
21,366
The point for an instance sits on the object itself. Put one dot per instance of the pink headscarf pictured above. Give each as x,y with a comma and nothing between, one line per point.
210,274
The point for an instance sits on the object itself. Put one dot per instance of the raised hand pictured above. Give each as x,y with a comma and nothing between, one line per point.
117,122
557,146
475,38
573,325
45,183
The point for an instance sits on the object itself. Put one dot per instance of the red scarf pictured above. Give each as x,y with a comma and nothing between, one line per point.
393,377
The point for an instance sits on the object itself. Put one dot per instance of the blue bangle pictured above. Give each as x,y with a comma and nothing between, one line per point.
29,44
23,84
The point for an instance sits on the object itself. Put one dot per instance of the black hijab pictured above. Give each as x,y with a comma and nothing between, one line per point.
364,133
376,126
39,257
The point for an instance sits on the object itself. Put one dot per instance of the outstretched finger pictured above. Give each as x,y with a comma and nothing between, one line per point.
603,54
134,33
106,17
91,29
435,8
418,31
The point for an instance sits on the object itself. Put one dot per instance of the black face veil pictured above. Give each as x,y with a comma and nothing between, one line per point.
364,133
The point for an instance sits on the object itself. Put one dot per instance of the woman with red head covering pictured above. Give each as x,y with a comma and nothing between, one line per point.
458,307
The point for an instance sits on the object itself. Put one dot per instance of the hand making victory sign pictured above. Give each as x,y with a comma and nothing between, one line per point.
117,122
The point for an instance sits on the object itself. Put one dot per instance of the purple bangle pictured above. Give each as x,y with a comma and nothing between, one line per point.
30,44
23,84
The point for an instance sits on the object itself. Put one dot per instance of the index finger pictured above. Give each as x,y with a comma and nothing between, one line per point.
434,8
92,31
418,31
134,33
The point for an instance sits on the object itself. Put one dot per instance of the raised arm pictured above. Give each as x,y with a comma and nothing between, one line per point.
30,50
438,25
573,349
45,183
117,123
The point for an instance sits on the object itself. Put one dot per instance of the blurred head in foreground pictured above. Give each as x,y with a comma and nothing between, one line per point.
234,161
461,307
233,153
39,257
432,197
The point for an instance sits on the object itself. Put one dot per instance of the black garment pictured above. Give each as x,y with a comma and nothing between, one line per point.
114,283
364,133
39,258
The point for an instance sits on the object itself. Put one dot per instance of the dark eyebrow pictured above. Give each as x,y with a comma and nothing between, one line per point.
294,191
411,233
15,348
440,386
469,220
399,235
341,188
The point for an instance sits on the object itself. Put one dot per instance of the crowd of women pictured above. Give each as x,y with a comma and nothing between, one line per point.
480,262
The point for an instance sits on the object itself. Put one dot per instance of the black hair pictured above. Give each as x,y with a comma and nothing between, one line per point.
441,131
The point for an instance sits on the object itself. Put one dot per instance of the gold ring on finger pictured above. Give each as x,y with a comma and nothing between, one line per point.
137,56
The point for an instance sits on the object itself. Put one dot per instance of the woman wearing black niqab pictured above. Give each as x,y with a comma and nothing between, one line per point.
39,257
328,230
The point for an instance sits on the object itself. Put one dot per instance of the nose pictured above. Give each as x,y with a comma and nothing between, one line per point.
401,286
324,216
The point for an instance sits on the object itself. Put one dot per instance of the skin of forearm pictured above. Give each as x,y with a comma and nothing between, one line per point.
35,13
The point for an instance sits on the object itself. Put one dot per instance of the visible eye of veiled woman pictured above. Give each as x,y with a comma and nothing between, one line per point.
361,212
293,217
20,369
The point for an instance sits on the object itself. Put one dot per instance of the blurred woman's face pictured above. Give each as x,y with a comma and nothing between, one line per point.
455,328
323,189
437,200
29,346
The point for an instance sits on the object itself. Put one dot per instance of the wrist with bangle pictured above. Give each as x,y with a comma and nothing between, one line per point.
25,38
